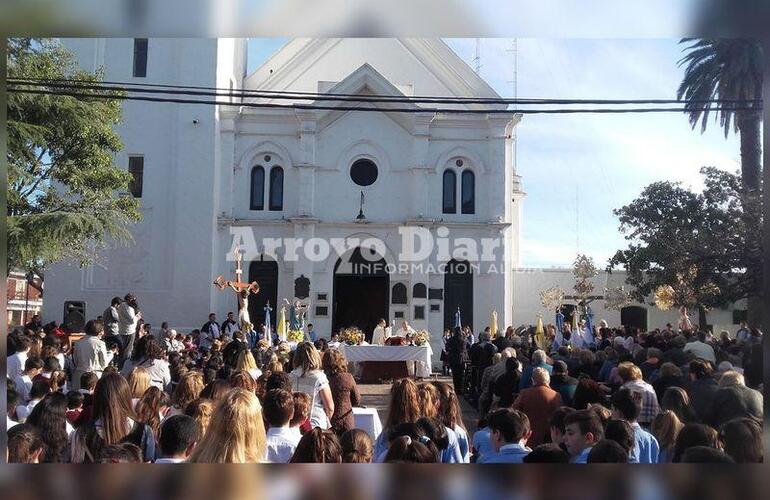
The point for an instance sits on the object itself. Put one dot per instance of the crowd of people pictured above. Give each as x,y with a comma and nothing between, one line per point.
626,396
219,395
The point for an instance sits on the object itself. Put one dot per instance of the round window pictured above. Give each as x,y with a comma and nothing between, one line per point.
363,172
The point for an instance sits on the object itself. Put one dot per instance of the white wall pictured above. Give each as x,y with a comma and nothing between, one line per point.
529,282
172,255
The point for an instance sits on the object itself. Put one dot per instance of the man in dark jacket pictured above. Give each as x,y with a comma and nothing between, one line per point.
456,354
733,400
481,357
562,383
702,387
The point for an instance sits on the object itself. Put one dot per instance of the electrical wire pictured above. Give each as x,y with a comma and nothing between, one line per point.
292,95
83,95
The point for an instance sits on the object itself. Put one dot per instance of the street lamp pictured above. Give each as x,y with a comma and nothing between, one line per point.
30,277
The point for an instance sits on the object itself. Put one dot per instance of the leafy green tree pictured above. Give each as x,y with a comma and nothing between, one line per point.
63,187
732,69
697,243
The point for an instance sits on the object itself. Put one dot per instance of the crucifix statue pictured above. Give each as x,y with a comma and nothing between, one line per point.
241,289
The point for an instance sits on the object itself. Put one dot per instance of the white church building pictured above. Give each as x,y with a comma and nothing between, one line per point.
313,196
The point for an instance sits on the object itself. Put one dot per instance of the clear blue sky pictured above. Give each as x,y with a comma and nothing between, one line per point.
577,168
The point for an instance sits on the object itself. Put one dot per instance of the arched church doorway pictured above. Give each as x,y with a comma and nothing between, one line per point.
360,292
634,317
458,292
265,273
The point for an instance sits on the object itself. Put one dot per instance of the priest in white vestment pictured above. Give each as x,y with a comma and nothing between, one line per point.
405,330
380,334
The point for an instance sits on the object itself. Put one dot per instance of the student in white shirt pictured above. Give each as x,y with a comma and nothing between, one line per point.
282,439
178,436
16,361
32,367
40,388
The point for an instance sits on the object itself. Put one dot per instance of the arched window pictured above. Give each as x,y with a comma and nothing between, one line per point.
257,188
450,192
419,291
468,192
276,188
398,294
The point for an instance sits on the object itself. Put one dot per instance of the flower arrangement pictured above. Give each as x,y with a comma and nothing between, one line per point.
351,336
421,337
295,336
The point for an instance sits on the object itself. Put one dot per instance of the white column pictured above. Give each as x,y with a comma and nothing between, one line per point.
306,162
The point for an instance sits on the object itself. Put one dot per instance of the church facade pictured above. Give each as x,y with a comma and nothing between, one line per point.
399,212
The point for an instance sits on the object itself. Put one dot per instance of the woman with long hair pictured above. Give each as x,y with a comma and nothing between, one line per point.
151,408
357,447
307,377
677,400
187,390
25,445
430,399
49,416
150,355
344,391
318,446
216,390
451,415
112,422
406,450
138,382
246,363
243,380
236,432
201,410
404,408
666,427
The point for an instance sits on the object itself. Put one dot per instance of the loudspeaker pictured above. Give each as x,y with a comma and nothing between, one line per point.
74,316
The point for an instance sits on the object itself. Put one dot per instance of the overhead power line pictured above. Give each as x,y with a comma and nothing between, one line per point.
295,95
102,92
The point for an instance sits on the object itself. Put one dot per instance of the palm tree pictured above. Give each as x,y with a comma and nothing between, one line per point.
730,70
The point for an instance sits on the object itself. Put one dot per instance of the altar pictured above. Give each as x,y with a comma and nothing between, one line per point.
386,362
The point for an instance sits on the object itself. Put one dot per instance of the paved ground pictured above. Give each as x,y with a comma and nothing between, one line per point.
378,396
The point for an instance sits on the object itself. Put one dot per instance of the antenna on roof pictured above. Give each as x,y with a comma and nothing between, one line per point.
477,58
513,51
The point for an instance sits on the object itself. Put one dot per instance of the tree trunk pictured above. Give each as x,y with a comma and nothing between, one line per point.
751,171
751,149
702,321
764,315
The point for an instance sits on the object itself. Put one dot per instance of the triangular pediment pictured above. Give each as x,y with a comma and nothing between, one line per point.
366,82
427,66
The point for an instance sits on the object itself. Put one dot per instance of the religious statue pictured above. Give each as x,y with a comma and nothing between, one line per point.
241,289
243,308
684,319
297,311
